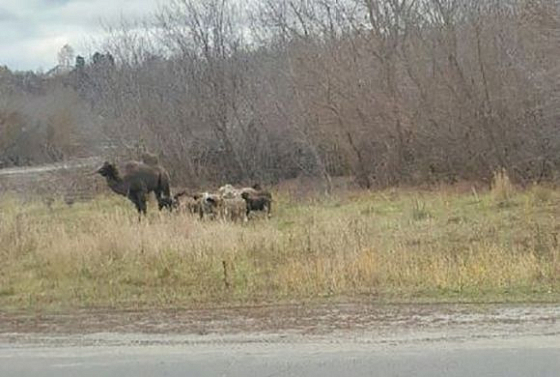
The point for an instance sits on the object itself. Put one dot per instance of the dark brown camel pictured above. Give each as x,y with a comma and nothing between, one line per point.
138,181
164,198
150,170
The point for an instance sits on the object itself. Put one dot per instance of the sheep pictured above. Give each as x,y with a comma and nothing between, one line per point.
229,192
182,201
261,201
210,204
234,209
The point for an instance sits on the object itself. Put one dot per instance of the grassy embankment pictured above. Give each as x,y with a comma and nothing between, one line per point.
395,245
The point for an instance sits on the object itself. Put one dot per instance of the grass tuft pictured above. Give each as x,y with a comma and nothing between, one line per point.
502,189
541,194
419,211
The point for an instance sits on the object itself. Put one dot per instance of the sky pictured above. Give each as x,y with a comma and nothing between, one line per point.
33,31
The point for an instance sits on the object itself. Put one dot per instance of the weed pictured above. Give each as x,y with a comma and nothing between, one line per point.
540,194
419,211
502,189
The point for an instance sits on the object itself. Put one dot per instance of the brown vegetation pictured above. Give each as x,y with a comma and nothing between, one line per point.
400,245
391,92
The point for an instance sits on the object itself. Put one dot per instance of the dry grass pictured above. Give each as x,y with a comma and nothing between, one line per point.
502,189
389,245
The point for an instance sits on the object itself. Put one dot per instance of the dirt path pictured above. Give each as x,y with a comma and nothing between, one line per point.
362,322
47,168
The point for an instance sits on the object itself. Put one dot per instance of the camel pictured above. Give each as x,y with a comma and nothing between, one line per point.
138,181
163,198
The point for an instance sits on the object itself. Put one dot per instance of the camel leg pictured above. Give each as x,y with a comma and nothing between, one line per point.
142,200
159,199
142,209
165,192
164,201
139,200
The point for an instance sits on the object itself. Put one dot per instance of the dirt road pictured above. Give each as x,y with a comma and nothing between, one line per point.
47,168
329,340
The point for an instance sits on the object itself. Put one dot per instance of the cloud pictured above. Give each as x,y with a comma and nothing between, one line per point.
33,31
6,15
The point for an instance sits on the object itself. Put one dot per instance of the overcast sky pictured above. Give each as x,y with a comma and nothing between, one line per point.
33,31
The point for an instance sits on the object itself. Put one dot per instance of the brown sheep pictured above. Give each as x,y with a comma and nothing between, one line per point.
207,204
261,201
246,199
182,201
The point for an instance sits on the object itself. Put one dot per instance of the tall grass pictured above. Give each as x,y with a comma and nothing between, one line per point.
502,189
97,254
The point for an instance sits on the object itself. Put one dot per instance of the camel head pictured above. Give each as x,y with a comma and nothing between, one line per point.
108,170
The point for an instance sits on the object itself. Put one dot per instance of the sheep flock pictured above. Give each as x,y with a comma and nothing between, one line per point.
227,203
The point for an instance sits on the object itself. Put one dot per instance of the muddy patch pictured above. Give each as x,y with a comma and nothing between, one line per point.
276,323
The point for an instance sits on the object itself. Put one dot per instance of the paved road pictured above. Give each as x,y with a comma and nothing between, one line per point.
442,341
523,356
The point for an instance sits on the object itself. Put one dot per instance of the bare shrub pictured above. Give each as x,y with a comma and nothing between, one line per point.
390,92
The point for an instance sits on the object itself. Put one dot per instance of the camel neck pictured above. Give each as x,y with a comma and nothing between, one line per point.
117,185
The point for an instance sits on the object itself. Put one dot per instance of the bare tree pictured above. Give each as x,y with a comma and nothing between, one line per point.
387,91
66,56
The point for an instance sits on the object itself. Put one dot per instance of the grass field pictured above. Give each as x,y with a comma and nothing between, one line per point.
395,245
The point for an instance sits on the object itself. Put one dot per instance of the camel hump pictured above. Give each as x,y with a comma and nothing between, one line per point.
150,159
131,167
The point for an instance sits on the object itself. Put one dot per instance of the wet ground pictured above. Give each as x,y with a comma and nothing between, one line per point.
289,340
368,322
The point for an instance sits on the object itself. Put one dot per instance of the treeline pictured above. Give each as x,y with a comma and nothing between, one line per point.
388,91
42,120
